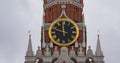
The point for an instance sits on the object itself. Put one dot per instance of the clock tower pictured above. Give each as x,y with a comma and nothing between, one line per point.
63,35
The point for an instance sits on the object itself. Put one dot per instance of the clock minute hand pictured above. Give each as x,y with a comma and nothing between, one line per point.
63,27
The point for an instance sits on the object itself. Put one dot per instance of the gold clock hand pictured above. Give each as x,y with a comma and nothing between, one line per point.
63,27
59,30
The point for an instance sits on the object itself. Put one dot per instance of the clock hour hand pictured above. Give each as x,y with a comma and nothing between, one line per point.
59,30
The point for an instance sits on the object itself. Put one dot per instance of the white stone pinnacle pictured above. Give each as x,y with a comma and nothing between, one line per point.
98,48
29,49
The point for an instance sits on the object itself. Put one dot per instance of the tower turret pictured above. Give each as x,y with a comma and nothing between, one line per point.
29,58
98,58
98,48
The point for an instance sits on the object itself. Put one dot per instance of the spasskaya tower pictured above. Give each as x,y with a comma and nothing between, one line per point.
63,35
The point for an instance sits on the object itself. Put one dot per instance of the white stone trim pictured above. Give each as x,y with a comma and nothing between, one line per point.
56,53
80,59
47,52
63,13
47,25
43,44
64,56
76,44
49,4
72,53
84,43
47,59
38,53
80,53
51,44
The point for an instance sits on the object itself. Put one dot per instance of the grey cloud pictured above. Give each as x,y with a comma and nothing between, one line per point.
18,16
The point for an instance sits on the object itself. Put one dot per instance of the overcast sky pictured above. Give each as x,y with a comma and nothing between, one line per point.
19,16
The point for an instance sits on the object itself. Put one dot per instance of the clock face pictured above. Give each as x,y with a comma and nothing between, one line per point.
63,32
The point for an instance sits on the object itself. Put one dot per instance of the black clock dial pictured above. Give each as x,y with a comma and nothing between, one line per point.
66,35
63,32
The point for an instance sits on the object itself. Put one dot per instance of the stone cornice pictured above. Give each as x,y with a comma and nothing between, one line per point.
49,4
47,25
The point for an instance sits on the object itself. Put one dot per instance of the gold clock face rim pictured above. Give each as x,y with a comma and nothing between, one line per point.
55,22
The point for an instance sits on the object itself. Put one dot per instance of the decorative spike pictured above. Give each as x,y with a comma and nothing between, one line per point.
98,48
47,52
89,52
43,45
38,52
51,45
76,44
72,53
29,49
80,52
83,44
56,52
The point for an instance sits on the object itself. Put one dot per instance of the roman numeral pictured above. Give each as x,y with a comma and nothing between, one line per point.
72,27
53,32
54,36
63,22
69,40
54,27
73,36
73,31
58,24
58,40
63,41
68,23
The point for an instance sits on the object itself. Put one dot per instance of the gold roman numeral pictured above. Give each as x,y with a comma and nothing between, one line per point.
63,22
72,27
68,23
54,27
58,40
53,32
54,36
58,24
73,31
69,40
73,36
63,41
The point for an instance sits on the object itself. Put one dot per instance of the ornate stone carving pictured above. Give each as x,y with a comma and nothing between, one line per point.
64,57
49,4
72,53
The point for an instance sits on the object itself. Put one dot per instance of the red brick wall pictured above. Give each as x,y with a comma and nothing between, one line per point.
54,11
80,38
47,39
45,1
